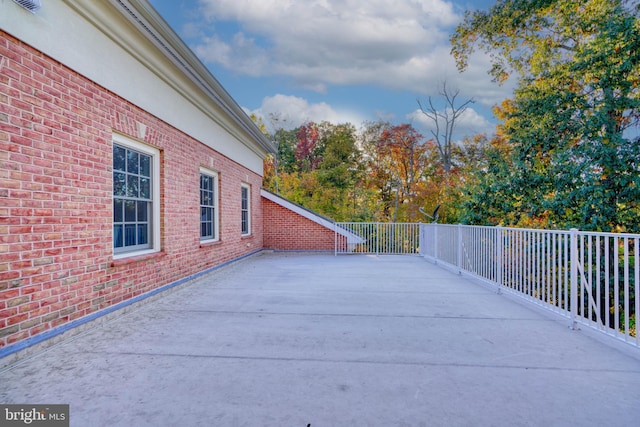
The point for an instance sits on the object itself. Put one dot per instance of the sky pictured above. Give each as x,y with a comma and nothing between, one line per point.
295,61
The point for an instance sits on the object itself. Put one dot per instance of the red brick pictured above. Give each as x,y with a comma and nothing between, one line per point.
59,154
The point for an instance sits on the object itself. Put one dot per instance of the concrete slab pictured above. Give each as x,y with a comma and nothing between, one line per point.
298,339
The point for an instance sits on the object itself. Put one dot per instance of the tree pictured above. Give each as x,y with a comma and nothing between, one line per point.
321,168
575,108
341,158
444,122
397,164
286,140
308,151
283,162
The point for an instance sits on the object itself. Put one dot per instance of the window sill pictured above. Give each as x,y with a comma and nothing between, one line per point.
137,258
210,243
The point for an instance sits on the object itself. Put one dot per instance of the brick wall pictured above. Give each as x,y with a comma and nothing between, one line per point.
56,262
286,230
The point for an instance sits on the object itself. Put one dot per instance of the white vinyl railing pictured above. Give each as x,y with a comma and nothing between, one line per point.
591,278
377,238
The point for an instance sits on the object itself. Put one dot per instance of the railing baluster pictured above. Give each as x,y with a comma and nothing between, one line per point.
607,277
616,284
636,294
598,265
567,253
626,288
574,278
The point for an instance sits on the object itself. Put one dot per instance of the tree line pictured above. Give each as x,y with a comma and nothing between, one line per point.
380,172
566,152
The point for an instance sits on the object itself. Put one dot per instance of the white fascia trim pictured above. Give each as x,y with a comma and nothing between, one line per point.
209,95
155,28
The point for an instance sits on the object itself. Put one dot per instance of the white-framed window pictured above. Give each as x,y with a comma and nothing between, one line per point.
208,205
245,209
136,198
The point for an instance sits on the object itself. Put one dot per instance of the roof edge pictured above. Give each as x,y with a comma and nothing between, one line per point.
308,214
149,22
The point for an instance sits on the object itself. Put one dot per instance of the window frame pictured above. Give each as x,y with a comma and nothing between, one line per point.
246,187
154,220
216,211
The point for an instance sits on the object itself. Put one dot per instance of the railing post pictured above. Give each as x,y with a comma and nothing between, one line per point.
459,260
435,242
574,277
499,257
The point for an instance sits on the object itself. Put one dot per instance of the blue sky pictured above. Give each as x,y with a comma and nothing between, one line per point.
336,60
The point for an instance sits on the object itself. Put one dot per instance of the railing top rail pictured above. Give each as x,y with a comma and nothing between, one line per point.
609,234
380,223
543,231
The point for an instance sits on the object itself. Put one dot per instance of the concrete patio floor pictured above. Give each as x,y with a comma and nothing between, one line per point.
296,339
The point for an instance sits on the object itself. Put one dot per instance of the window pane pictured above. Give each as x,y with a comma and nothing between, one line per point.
245,222
132,186
206,190
129,211
145,165
143,214
119,154
119,184
117,210
143,234
206,225
145,188
132,162
130,235
117,236
245,198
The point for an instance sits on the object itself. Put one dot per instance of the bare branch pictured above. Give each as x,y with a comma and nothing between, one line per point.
445,121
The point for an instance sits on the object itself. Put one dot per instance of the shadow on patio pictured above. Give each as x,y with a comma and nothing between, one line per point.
289,339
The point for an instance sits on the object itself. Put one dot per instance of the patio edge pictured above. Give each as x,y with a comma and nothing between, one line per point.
14,353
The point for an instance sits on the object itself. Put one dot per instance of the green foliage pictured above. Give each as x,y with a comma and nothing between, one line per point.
341,159
381,173
573,160
320,167
286,142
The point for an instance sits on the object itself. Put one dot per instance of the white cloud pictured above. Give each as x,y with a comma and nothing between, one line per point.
289,112
214,49
401,44
330,41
